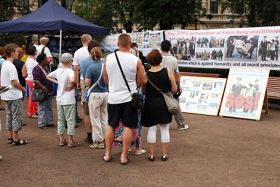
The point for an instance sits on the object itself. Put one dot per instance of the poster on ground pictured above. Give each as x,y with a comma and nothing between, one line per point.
224,48
201,95
244,93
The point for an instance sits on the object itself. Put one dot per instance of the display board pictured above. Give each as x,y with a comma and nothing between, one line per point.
225,48
201,95
244,93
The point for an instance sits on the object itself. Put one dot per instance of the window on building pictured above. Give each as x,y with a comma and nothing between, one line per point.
214,6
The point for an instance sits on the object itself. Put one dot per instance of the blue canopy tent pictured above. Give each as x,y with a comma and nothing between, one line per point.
52,17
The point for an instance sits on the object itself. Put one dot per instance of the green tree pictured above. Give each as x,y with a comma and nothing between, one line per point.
255,12
8,11
167,13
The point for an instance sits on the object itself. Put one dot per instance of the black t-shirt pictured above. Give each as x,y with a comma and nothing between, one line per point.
19,64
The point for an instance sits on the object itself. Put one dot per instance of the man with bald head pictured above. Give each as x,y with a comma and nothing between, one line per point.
43,47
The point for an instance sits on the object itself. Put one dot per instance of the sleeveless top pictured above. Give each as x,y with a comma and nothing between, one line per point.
118,91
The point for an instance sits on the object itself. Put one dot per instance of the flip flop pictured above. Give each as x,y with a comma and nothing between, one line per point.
125,162
142,151
109,160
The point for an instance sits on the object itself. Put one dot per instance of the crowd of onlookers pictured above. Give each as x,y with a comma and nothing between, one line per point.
107,88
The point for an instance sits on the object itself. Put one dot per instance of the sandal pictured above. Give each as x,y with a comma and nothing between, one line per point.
63,143
125,162
20,142
73,144
151,158
10,140
109,160
140,152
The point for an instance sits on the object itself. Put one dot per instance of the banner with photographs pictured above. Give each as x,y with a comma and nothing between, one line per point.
201,95
225,48
244,94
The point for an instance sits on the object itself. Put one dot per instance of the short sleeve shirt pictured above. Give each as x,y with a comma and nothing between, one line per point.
80,55
8,74
40,75
93,73
64,76
46,50
170,62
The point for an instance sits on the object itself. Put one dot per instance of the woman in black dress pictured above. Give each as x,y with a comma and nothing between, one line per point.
155,112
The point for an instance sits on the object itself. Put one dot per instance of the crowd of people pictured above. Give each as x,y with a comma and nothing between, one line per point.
107,87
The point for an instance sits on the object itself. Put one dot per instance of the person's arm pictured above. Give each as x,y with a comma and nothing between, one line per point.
48,54
18,86
172,81
51,77
24,71
88,77
140,78
105,75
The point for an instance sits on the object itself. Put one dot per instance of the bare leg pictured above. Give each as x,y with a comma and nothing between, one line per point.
127,138
165,149
88,124
15,135
10,134
151,149
109,139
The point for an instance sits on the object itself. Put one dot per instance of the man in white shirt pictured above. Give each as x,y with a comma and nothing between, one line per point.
119,97
79,57
43,47
170,62
12,97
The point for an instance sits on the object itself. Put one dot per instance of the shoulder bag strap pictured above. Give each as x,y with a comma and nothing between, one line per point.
101,73
43,50
122,72
157,88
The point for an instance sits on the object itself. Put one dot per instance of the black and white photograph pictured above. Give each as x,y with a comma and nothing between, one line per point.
268,48
216,54
183,48
241,48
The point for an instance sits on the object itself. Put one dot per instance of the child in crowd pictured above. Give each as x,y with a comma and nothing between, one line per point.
66,103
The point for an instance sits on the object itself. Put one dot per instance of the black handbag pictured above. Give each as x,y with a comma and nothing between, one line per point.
38,95
137,100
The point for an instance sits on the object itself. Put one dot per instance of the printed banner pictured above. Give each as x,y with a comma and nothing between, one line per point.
244,94
201,95
224,48
146,41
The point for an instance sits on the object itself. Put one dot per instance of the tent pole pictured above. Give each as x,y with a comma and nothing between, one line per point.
60,44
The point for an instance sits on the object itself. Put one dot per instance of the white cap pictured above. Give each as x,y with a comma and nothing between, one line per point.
66,57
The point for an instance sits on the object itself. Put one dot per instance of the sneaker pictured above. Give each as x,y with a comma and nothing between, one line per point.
182,127
101,145
94,146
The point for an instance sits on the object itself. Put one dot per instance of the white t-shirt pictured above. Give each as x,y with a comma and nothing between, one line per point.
30,64
118,91
80,55
9,73
46,51
170,62
64,76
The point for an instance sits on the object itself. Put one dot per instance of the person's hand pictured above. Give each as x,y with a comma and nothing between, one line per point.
23,91
78,86
45,90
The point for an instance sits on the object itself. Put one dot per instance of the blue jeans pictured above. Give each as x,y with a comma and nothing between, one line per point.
45,114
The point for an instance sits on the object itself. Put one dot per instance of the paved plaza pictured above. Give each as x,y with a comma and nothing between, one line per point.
215,151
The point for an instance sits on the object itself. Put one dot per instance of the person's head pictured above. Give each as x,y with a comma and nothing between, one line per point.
124,41
66,59
91,45
31,50
154,58
85,39
20,52
134,45
42,59
165,45
96,53
10,50
2,51
44,40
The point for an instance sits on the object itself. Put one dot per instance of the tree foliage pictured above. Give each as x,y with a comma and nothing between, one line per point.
167,13
255,12
8,11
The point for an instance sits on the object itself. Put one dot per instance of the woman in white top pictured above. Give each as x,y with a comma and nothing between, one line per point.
27,73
